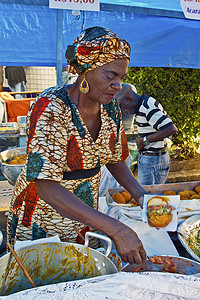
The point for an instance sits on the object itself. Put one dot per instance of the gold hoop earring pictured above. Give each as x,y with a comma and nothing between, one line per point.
84,86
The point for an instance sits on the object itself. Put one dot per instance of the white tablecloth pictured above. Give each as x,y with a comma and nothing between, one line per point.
119,286
143,286
155,242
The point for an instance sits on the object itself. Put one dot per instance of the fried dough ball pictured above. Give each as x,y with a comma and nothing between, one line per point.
192,193
197,189
195,196
184,195
133,202
119,198
126,195
189,193
169,193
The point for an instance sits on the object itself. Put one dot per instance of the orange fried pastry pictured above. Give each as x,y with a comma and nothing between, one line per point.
133,202
197,189
195,196
119,198
192,193
126,195
169,193
184,195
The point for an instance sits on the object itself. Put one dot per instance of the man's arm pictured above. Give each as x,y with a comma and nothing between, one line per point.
157,136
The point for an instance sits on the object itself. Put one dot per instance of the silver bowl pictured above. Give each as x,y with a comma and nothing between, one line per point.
11,172
1,238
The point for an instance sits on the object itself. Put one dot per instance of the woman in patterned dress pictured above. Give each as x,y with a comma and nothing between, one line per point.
72,132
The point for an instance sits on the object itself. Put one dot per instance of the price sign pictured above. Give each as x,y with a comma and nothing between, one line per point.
191,9
92,5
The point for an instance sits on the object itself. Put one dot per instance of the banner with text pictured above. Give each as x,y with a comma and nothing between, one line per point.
92,5
191,9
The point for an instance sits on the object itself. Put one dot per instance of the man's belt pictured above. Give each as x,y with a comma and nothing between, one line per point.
155,153
80,174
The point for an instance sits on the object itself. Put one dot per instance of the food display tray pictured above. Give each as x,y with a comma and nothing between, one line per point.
8,128
176,187
158,188
170,264
111,202
184,231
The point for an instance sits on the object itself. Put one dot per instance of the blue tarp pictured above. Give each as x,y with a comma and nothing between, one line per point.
28,33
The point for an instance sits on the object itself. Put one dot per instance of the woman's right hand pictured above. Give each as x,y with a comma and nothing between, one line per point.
128,245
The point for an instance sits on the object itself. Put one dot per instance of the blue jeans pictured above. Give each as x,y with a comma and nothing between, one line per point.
153,169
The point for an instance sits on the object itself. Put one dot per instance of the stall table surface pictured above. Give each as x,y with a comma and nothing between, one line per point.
122,285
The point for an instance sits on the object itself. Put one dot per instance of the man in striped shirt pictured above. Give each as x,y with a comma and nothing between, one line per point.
154,127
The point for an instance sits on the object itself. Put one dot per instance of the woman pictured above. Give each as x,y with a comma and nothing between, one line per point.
72,132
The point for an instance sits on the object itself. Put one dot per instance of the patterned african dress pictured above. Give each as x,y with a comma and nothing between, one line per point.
59,148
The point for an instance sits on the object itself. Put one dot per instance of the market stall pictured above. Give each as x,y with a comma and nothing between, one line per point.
182,283
124,19
156,242
158,32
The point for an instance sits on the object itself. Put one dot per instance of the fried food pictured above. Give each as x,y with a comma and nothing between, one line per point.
169,193
126,195
197,189
195,196
133,202
192,193
119,198
159,211
17,160
184,195
160,220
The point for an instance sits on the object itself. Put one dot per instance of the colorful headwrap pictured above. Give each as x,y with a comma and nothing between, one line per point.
95,47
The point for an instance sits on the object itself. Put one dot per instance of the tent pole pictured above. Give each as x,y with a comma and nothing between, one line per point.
59,46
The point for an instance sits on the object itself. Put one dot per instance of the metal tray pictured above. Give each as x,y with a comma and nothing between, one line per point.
7,132
54,262
8,128
157,188
184,231
111,202
176,187
178,264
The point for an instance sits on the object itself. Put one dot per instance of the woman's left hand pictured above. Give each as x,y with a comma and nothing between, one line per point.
125,178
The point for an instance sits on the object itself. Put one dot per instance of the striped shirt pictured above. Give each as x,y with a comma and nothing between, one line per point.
151,117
